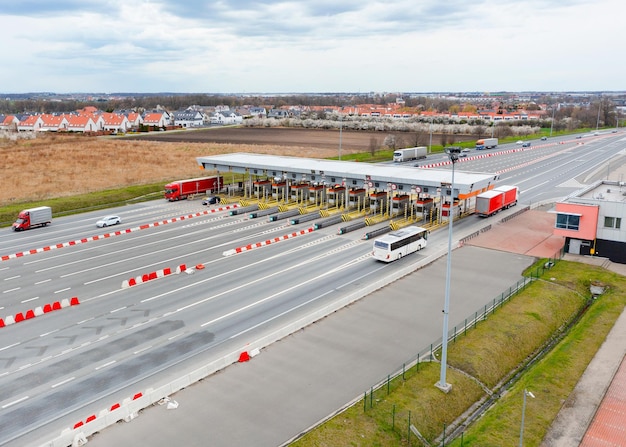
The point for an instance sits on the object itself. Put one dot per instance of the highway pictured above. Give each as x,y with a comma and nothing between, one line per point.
110,341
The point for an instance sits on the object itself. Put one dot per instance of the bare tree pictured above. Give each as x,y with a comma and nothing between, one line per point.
373,145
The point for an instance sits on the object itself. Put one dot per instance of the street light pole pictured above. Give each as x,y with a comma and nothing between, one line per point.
430,144
453,153
552,122
340,130
521,432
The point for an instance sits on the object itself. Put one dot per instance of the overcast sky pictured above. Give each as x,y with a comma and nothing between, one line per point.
278,46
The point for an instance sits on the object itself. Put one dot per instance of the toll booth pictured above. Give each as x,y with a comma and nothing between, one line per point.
423,207
337,196
356,198
446,210
300,192
378,202
262,188
279,191
400,204
317,194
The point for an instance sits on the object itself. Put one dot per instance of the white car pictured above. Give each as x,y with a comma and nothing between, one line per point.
520,142
108,220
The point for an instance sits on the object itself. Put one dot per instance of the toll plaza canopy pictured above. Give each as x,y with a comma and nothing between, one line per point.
400,179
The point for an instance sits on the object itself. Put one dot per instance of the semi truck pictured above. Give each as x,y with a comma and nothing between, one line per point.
486,143
500,198
410,153
181,189
33,217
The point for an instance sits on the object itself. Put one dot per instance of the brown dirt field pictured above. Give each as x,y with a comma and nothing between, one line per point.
318,138
57,165
360,141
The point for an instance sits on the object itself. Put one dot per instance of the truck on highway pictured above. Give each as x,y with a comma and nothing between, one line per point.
410,153
181,189
33,217
500,198
486,143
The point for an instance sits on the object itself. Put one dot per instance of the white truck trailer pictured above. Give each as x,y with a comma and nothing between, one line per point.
410,153
486,143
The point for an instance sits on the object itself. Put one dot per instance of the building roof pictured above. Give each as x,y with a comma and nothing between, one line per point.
355,174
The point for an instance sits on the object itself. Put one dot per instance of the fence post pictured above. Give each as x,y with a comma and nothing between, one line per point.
364,401
387,384
465,327
408,431
371,396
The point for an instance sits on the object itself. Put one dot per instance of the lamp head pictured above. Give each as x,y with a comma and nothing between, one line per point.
453,152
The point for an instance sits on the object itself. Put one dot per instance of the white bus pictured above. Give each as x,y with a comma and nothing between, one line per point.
400,243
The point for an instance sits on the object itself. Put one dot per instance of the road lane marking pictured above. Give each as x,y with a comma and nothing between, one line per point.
141,350
63,290
12,277
30,299
62,382
11,290
118,309
48,333
41,282
105,365
10,346
15,402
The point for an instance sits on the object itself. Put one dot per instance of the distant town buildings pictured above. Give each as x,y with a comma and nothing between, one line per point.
472,108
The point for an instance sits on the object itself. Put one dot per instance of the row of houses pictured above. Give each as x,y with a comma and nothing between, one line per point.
90,119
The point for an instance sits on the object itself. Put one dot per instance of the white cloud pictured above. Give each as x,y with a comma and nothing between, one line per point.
309,46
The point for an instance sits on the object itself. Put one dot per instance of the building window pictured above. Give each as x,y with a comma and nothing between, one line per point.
567,221
612,222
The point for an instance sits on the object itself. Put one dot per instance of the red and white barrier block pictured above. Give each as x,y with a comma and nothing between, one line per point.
267,242
32,313
159,274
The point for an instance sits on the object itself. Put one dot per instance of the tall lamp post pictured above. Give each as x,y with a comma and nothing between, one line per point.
340,129
521,432
453,154
430,144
